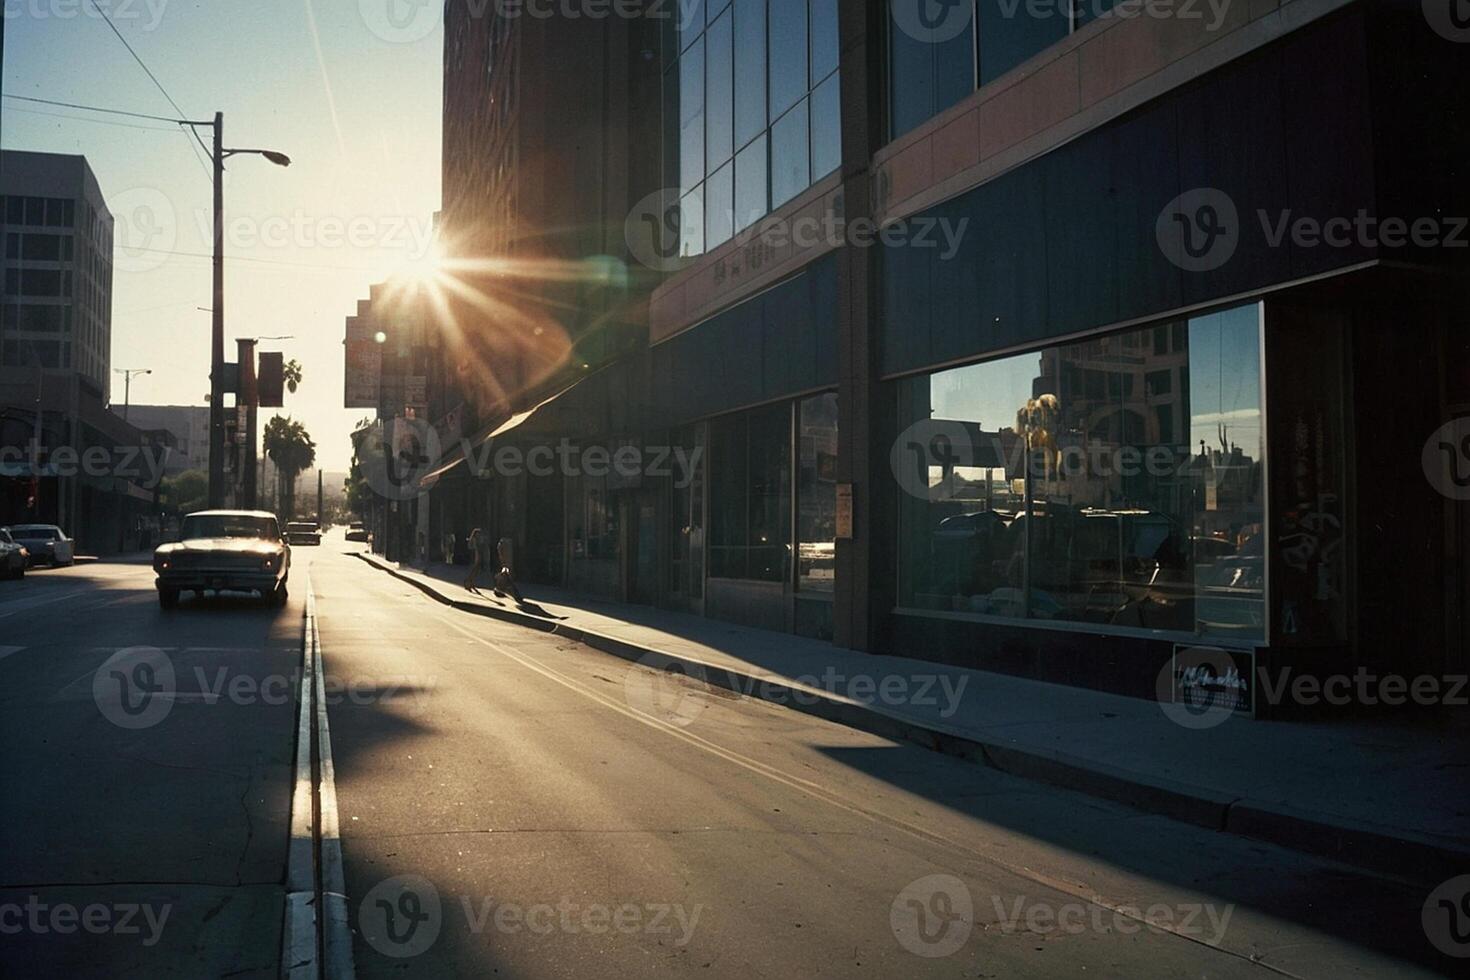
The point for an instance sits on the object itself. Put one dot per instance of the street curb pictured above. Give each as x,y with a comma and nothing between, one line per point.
1370,848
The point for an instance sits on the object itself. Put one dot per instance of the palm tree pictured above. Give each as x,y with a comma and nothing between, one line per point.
291,449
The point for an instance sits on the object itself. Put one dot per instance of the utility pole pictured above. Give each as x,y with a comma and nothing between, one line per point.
127,374
217,328
319,496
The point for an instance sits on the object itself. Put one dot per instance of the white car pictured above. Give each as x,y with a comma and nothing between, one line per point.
13,557
47,543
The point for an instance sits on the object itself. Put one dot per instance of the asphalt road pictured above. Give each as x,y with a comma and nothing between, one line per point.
515,805
519,806
151,843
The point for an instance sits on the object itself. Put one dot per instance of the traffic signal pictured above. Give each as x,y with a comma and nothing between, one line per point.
271,382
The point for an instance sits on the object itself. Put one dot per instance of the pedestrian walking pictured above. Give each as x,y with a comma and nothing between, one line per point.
504,581
477,550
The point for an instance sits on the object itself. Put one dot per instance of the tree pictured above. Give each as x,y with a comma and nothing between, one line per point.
187,492
291,449
291,374
358,491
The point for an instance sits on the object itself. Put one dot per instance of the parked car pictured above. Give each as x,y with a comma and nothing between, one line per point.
357,532
224,551
303,532
47,543
13,557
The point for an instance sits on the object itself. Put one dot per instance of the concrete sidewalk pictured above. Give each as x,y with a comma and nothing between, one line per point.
1377,795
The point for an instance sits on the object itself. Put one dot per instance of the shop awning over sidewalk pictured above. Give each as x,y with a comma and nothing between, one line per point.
490,433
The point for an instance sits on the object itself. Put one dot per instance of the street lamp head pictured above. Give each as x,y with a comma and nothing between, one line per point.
279,159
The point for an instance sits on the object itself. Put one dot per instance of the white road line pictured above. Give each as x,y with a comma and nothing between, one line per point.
336,930
299,949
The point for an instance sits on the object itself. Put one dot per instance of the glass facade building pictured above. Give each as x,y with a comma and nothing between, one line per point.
751,110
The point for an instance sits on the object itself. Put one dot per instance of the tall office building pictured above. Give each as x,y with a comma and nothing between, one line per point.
56,301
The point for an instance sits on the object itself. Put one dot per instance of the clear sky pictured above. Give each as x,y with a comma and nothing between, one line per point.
350,89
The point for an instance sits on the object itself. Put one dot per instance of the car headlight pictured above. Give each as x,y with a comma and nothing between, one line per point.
269,564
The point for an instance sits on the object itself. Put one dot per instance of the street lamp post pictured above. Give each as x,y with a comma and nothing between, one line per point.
217,337
127,374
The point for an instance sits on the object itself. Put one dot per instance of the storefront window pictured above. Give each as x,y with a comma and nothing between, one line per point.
754,81
750,495
595,532
816,494
1116,481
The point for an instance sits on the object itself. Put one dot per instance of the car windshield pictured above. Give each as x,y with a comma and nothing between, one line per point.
300,527
38,533
229,526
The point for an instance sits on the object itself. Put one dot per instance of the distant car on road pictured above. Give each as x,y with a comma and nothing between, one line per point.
357,532
224,550
13,557
303,532
47,543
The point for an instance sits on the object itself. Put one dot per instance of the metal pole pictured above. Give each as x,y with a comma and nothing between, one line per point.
217,336
127,392
319,495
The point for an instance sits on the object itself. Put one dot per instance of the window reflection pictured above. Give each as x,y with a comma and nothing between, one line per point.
1116,481
755,80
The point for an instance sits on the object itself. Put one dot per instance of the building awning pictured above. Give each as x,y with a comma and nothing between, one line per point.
505,427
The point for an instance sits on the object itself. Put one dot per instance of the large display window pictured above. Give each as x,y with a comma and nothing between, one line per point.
1117,482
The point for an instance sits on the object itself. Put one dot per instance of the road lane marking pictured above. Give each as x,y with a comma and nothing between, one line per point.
1075,889
316,941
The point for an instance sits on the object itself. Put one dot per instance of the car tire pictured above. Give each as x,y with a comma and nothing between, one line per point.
168,598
